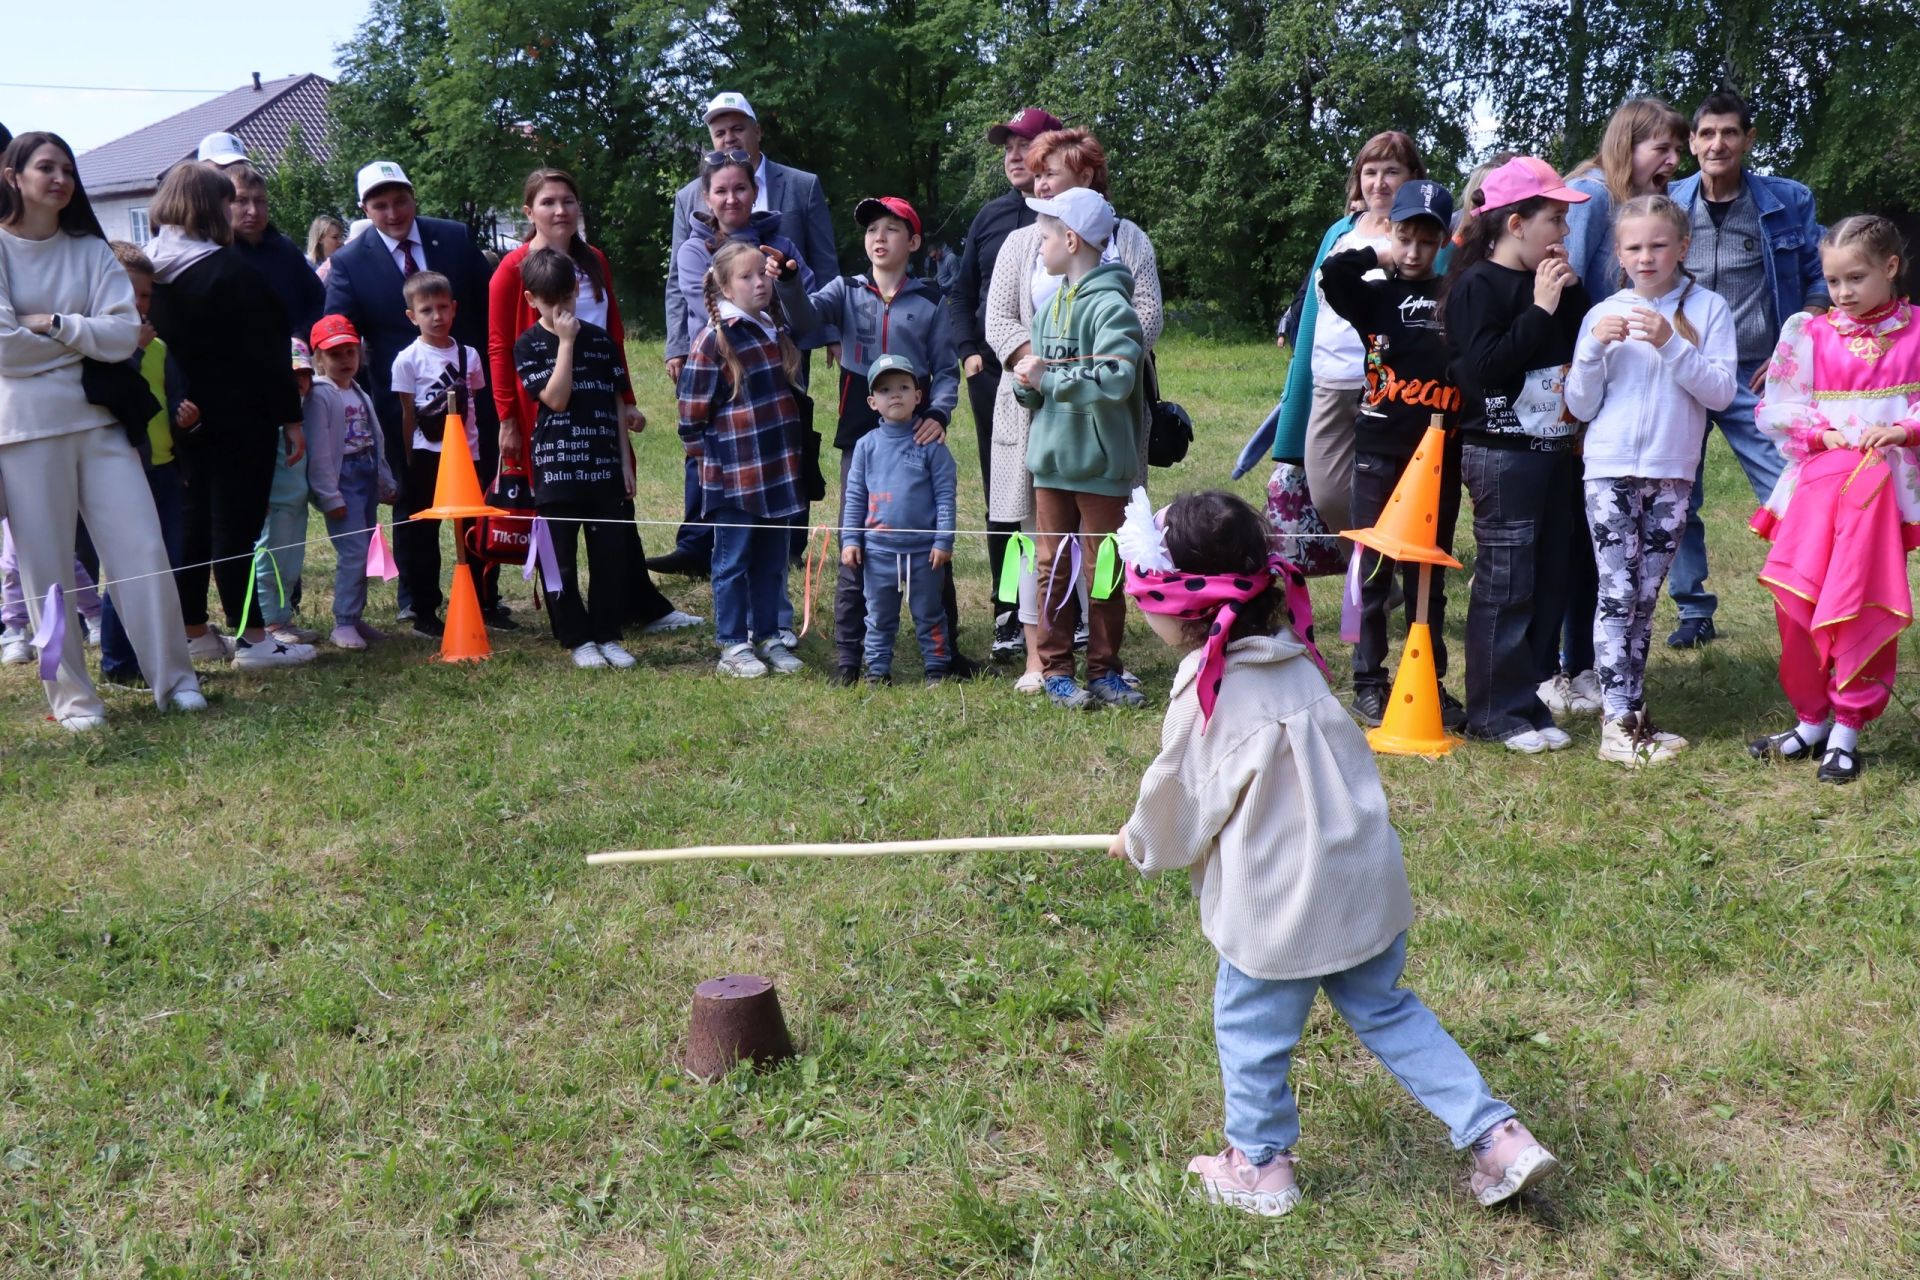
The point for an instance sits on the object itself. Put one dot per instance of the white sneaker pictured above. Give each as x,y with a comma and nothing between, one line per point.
187,700
93,632
788,638
347,636
210,646
780,656
83,724
739,661
588,656
1557,693
1556,738
1526,742
1583,694
1030,682
1633,740
678,620
15,649
272,653
616,655
287,633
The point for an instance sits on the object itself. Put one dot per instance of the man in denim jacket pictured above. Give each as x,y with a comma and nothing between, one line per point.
1756,243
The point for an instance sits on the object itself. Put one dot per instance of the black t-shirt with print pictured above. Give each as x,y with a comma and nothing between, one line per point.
575,453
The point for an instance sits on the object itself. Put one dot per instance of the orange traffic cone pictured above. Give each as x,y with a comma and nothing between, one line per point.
1408,530
456,489
465,638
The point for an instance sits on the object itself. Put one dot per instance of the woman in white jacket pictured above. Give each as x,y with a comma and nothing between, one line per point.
1651,362
65,299
1059,161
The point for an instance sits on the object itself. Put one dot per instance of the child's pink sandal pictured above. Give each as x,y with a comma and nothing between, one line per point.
1231,1179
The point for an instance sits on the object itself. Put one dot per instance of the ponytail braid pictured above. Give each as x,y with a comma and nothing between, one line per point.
1682,325
710,290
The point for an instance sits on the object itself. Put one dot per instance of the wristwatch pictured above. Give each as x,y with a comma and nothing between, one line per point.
53,325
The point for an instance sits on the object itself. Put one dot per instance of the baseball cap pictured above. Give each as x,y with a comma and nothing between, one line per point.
886,206
1423,199
891,363
723,102
381,173
1083,209
222,149
1523,178
333,331
1027,122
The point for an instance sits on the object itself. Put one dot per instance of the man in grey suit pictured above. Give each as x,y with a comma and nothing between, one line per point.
796,196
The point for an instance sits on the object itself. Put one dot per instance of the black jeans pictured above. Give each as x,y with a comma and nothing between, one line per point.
850,600
980,393
226,474
1374,477
599,618
416,547
1523,525
645,603
1583,582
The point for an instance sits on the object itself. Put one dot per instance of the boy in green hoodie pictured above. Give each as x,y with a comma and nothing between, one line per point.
1082,382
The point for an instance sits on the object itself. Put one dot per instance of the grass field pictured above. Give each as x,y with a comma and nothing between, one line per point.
318,984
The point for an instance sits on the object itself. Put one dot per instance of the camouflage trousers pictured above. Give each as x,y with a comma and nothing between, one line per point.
1636,527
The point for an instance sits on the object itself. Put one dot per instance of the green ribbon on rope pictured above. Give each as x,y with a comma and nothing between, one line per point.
1106,569
1020,552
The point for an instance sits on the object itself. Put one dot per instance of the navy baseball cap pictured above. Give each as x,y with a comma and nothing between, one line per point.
1423,199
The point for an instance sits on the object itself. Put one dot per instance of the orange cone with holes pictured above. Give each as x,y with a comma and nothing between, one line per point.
1408,531
457,497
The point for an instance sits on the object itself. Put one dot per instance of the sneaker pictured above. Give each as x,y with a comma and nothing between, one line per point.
15,649
1633,740
210,646
878,678
347,636
272,653
188,700
1506,1161
428,627
1557,693
1065,691
403,617
83,724
1080,638
1129,679
1232,1180
738,660
1111,691
780,656
287,633
1370,704
497,619
93,632
844,677
787,637
370,634
1527,742
936,678
1030,682
678,620
1453,715
1009,637
1556,738
588,656
616,655
1692,633
1583,694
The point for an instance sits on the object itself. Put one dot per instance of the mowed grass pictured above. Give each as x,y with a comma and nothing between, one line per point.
319,984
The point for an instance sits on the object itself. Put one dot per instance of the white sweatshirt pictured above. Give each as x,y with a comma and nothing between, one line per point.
1647,406
77,279
1279,813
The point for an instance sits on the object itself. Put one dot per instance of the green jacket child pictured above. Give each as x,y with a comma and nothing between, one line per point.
1086,423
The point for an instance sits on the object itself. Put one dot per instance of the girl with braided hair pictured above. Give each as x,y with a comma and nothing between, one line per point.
741,423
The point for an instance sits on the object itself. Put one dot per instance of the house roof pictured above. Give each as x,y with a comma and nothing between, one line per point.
260,117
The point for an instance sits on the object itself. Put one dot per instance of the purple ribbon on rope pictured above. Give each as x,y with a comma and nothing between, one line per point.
540,554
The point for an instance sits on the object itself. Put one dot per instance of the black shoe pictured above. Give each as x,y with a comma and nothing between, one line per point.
844,677
1453,714
497,620
965,668
1370,704
1009,637
1774,746
680,565
1839,766
1692,633
429,626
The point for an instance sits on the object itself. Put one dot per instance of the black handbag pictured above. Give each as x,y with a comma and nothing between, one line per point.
1171,430
813,481
122,390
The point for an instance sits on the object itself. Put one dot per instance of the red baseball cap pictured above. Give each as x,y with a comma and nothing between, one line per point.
886,206
333,331
1027,122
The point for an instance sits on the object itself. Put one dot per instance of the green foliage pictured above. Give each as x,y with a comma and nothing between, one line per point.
300,188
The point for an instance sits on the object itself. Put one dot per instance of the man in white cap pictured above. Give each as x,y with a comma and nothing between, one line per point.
365,285
796,196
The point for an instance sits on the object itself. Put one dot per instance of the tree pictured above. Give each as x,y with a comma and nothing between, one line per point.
300,188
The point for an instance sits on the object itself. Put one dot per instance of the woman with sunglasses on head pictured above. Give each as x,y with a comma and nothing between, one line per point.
729,188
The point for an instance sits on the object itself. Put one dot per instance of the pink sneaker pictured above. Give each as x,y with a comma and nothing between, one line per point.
1506,1161
1230,1179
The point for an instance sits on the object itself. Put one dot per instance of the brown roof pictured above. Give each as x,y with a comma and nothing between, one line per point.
260,117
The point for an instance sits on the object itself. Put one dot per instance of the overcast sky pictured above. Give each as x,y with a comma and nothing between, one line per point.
202,45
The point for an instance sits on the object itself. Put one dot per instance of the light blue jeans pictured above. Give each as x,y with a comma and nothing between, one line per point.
286,529
1759,458
1257,1021
352,533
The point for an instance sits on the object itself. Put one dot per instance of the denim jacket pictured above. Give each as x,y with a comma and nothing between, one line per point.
1790,238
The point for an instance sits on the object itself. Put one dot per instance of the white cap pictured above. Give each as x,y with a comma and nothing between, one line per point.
1084,210
222,149
725,102
381,173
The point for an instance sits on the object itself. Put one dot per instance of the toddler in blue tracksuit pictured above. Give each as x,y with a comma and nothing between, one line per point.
896,517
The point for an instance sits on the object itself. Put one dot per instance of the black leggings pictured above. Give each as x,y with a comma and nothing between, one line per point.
226,475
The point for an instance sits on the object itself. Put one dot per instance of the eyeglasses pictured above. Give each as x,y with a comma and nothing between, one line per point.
717,158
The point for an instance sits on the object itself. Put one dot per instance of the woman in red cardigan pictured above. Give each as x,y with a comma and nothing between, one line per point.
551,201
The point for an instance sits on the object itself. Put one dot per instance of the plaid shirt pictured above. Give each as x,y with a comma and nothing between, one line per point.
747,439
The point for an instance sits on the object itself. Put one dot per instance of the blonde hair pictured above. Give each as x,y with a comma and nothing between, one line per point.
1871,234
318,228
1659,206
1637,120
723,261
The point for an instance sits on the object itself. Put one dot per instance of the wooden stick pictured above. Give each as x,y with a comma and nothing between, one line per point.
966,844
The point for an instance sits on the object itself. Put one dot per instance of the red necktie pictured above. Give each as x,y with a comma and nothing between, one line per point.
411,268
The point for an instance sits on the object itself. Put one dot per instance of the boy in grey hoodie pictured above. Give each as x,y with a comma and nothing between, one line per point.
898,507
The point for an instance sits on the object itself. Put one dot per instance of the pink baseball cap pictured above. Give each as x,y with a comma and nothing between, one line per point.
1524,178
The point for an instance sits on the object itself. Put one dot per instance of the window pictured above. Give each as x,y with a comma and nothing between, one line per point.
137,226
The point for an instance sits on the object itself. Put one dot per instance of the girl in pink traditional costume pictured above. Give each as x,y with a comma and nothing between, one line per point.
1843,401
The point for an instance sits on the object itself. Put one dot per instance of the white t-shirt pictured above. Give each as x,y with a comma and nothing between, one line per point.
1339,353
428,373
589,308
